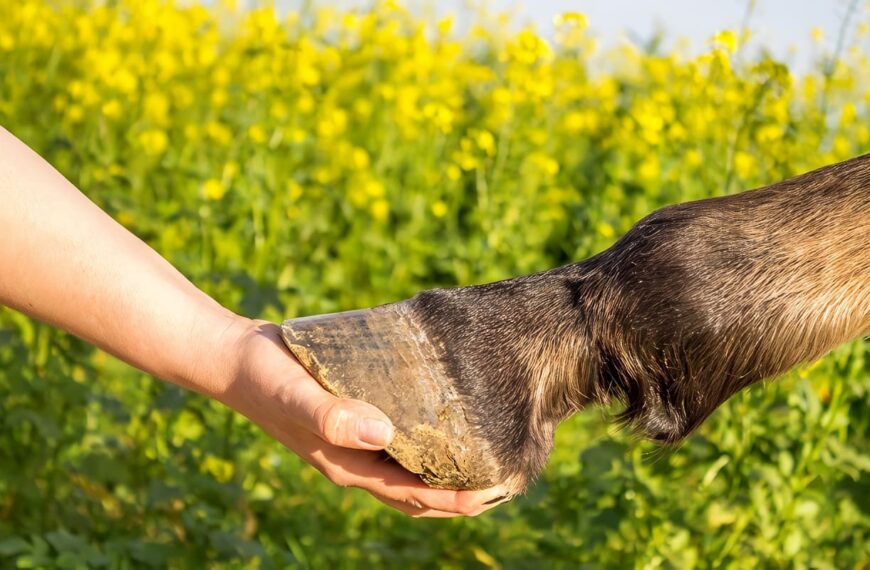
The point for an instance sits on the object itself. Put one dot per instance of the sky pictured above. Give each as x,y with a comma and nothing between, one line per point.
783,26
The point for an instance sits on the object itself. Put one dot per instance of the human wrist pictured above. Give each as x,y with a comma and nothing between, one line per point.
216,351
246,358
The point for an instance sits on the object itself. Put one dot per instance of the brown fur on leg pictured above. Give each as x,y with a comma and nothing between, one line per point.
694,303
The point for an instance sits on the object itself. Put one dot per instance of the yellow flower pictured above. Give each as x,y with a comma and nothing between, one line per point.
350,21
374,189
308,75
74,113
231,170
694,158
166,63
439,209
220,469
305,104
221,76
387,92
360,159
332,125
380,210
538,136
187,427
817,34
605,230
650,168
125,218
441,116
363,108
219,98
767,134
501,96
111,109
841,147
154,141
156,108
527,48
219,133
543,164
297,135
325,175
213,189
575,121
257,134
466,160
278,110
744,163
809,87
486,142
575,19
727,39
824,393
125,82
848,114
445,25
294,189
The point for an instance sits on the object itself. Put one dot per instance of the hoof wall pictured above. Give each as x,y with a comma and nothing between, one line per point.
383,357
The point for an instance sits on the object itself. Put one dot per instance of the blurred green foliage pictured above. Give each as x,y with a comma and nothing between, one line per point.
339,159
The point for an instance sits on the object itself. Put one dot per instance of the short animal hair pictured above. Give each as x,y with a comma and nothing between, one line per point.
696,302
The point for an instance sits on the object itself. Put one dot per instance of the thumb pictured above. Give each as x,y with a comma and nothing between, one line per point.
351,423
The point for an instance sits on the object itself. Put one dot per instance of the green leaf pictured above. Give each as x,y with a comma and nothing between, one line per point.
13,545
62,541
714,469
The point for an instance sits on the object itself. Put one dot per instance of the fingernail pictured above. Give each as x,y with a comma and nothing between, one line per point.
375,432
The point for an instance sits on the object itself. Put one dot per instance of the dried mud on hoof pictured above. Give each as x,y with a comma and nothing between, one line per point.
383,357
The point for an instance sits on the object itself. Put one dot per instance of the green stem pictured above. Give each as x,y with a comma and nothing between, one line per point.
831,65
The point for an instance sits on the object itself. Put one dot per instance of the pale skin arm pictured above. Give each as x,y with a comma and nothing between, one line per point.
66,262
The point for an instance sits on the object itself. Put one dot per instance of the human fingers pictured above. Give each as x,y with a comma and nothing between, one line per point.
388,480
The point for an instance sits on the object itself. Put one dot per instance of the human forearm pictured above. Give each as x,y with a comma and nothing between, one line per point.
66,262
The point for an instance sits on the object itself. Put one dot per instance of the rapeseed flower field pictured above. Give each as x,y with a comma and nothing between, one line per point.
331,159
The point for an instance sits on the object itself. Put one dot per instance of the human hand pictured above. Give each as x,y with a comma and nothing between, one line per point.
68,263
340,437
